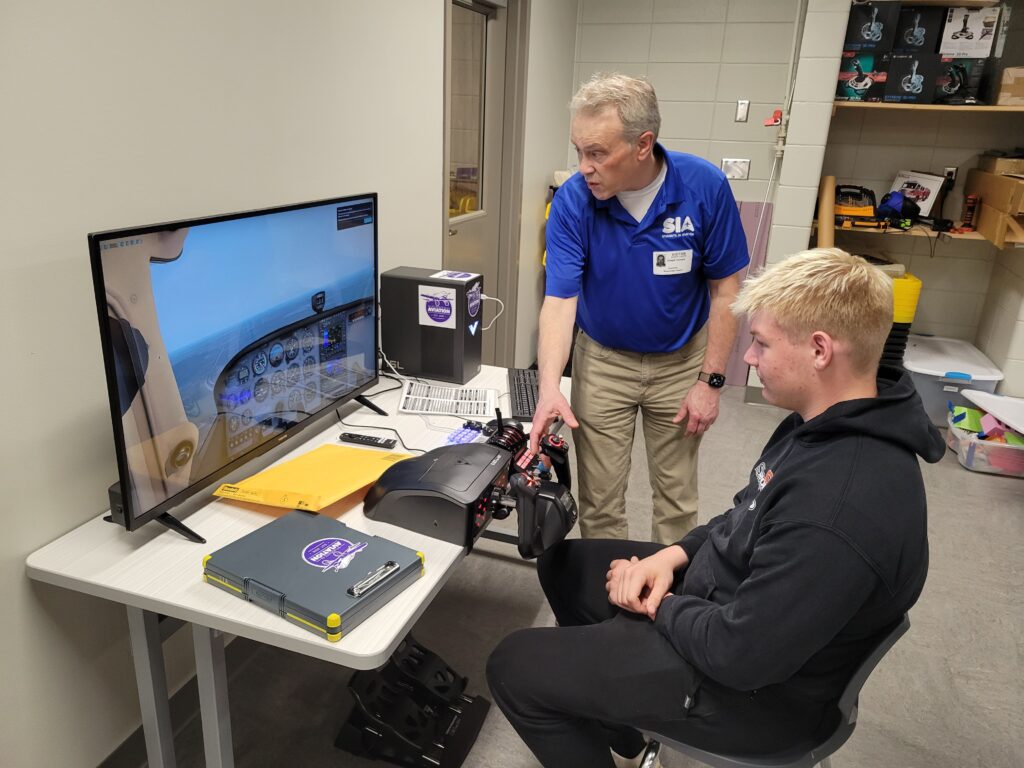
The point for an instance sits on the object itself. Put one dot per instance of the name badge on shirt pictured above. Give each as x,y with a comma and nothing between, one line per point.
672,262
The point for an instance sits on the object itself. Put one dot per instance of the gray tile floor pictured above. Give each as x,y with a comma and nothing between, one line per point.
949,694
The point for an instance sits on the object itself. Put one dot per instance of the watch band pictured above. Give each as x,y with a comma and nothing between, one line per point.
713,380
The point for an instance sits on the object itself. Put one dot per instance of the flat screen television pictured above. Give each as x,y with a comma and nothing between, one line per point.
224,337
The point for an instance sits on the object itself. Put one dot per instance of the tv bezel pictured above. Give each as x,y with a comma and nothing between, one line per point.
261,455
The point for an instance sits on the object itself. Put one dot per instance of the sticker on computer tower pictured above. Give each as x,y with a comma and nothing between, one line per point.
473,296
437,306
449,274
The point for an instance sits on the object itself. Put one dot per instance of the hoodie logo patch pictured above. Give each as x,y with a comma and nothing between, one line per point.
763,475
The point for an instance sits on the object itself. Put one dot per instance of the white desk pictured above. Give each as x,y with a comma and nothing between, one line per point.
156,571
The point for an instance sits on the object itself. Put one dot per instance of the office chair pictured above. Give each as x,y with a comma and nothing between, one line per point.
809,753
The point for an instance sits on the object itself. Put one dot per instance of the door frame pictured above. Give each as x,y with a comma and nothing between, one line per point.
517,24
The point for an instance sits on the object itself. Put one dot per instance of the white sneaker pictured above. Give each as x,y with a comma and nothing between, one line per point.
633,762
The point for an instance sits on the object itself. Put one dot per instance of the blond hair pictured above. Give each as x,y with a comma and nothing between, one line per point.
826,289
633,99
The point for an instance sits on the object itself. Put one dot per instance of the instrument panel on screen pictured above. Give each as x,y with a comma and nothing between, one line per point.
290,373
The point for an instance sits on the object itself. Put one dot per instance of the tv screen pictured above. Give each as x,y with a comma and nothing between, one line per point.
224,336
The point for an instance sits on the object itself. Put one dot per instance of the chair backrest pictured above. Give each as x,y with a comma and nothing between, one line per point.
848,701
847,704
842,726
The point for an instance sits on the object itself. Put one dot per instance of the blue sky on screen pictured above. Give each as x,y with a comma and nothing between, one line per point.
233,270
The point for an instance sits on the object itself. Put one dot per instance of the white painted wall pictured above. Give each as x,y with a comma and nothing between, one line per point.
120,114
700,57
1001,329
549,88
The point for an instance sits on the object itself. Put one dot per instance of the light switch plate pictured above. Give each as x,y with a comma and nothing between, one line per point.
742,110
735,168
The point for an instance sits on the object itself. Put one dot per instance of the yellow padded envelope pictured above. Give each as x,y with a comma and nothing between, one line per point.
313,480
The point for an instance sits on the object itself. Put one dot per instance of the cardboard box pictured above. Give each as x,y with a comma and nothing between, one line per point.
998,191
1001,213
862,76
912,78
918,29
1001,164
969,32
998,227
959,80
1011,90
872,27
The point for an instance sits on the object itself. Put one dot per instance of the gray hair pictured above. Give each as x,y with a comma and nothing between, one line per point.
633,99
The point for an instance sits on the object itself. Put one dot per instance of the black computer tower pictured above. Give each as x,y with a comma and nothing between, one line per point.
431,322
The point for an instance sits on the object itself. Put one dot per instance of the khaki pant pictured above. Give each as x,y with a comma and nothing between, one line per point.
608,387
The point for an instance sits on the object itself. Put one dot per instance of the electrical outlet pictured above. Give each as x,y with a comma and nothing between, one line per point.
742,110
736,168
950,173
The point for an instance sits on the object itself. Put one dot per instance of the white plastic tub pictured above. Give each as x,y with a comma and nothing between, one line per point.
983,455
942,367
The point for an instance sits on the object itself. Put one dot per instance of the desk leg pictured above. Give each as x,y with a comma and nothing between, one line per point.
212,680
151,680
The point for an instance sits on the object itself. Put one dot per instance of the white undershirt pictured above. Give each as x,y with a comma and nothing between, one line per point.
639,201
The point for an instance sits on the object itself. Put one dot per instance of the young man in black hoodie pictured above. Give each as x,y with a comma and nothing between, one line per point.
742,635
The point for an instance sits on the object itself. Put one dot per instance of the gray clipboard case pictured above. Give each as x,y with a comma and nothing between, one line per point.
314,571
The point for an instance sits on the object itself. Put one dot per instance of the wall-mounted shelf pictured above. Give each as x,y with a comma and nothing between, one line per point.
1011,242
923,107
918,232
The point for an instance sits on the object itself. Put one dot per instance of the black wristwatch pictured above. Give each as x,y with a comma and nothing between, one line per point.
713,380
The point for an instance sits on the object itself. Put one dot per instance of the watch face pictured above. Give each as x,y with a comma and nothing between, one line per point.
714,380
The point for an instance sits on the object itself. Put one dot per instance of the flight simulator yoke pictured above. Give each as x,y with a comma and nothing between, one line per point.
453,492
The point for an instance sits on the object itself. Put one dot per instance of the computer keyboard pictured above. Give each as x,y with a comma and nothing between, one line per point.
522,393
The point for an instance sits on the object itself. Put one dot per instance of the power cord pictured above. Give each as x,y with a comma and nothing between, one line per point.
397,375
389,389
932,241
501,311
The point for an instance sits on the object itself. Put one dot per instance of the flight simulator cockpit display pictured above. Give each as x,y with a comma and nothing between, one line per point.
222,334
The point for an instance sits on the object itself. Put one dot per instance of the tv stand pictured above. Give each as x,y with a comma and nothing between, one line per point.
171,522
370,404
179,527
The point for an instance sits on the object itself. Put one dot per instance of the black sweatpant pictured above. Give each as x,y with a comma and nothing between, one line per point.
574,690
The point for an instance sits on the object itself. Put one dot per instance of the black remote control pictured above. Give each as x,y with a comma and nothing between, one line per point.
376,442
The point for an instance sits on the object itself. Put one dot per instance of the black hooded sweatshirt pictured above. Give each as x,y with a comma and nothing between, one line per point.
822,552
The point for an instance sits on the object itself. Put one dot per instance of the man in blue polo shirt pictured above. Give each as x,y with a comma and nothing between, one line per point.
644,252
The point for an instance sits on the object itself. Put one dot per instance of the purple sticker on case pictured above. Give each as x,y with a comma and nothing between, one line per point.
438,308
332,554
473,299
